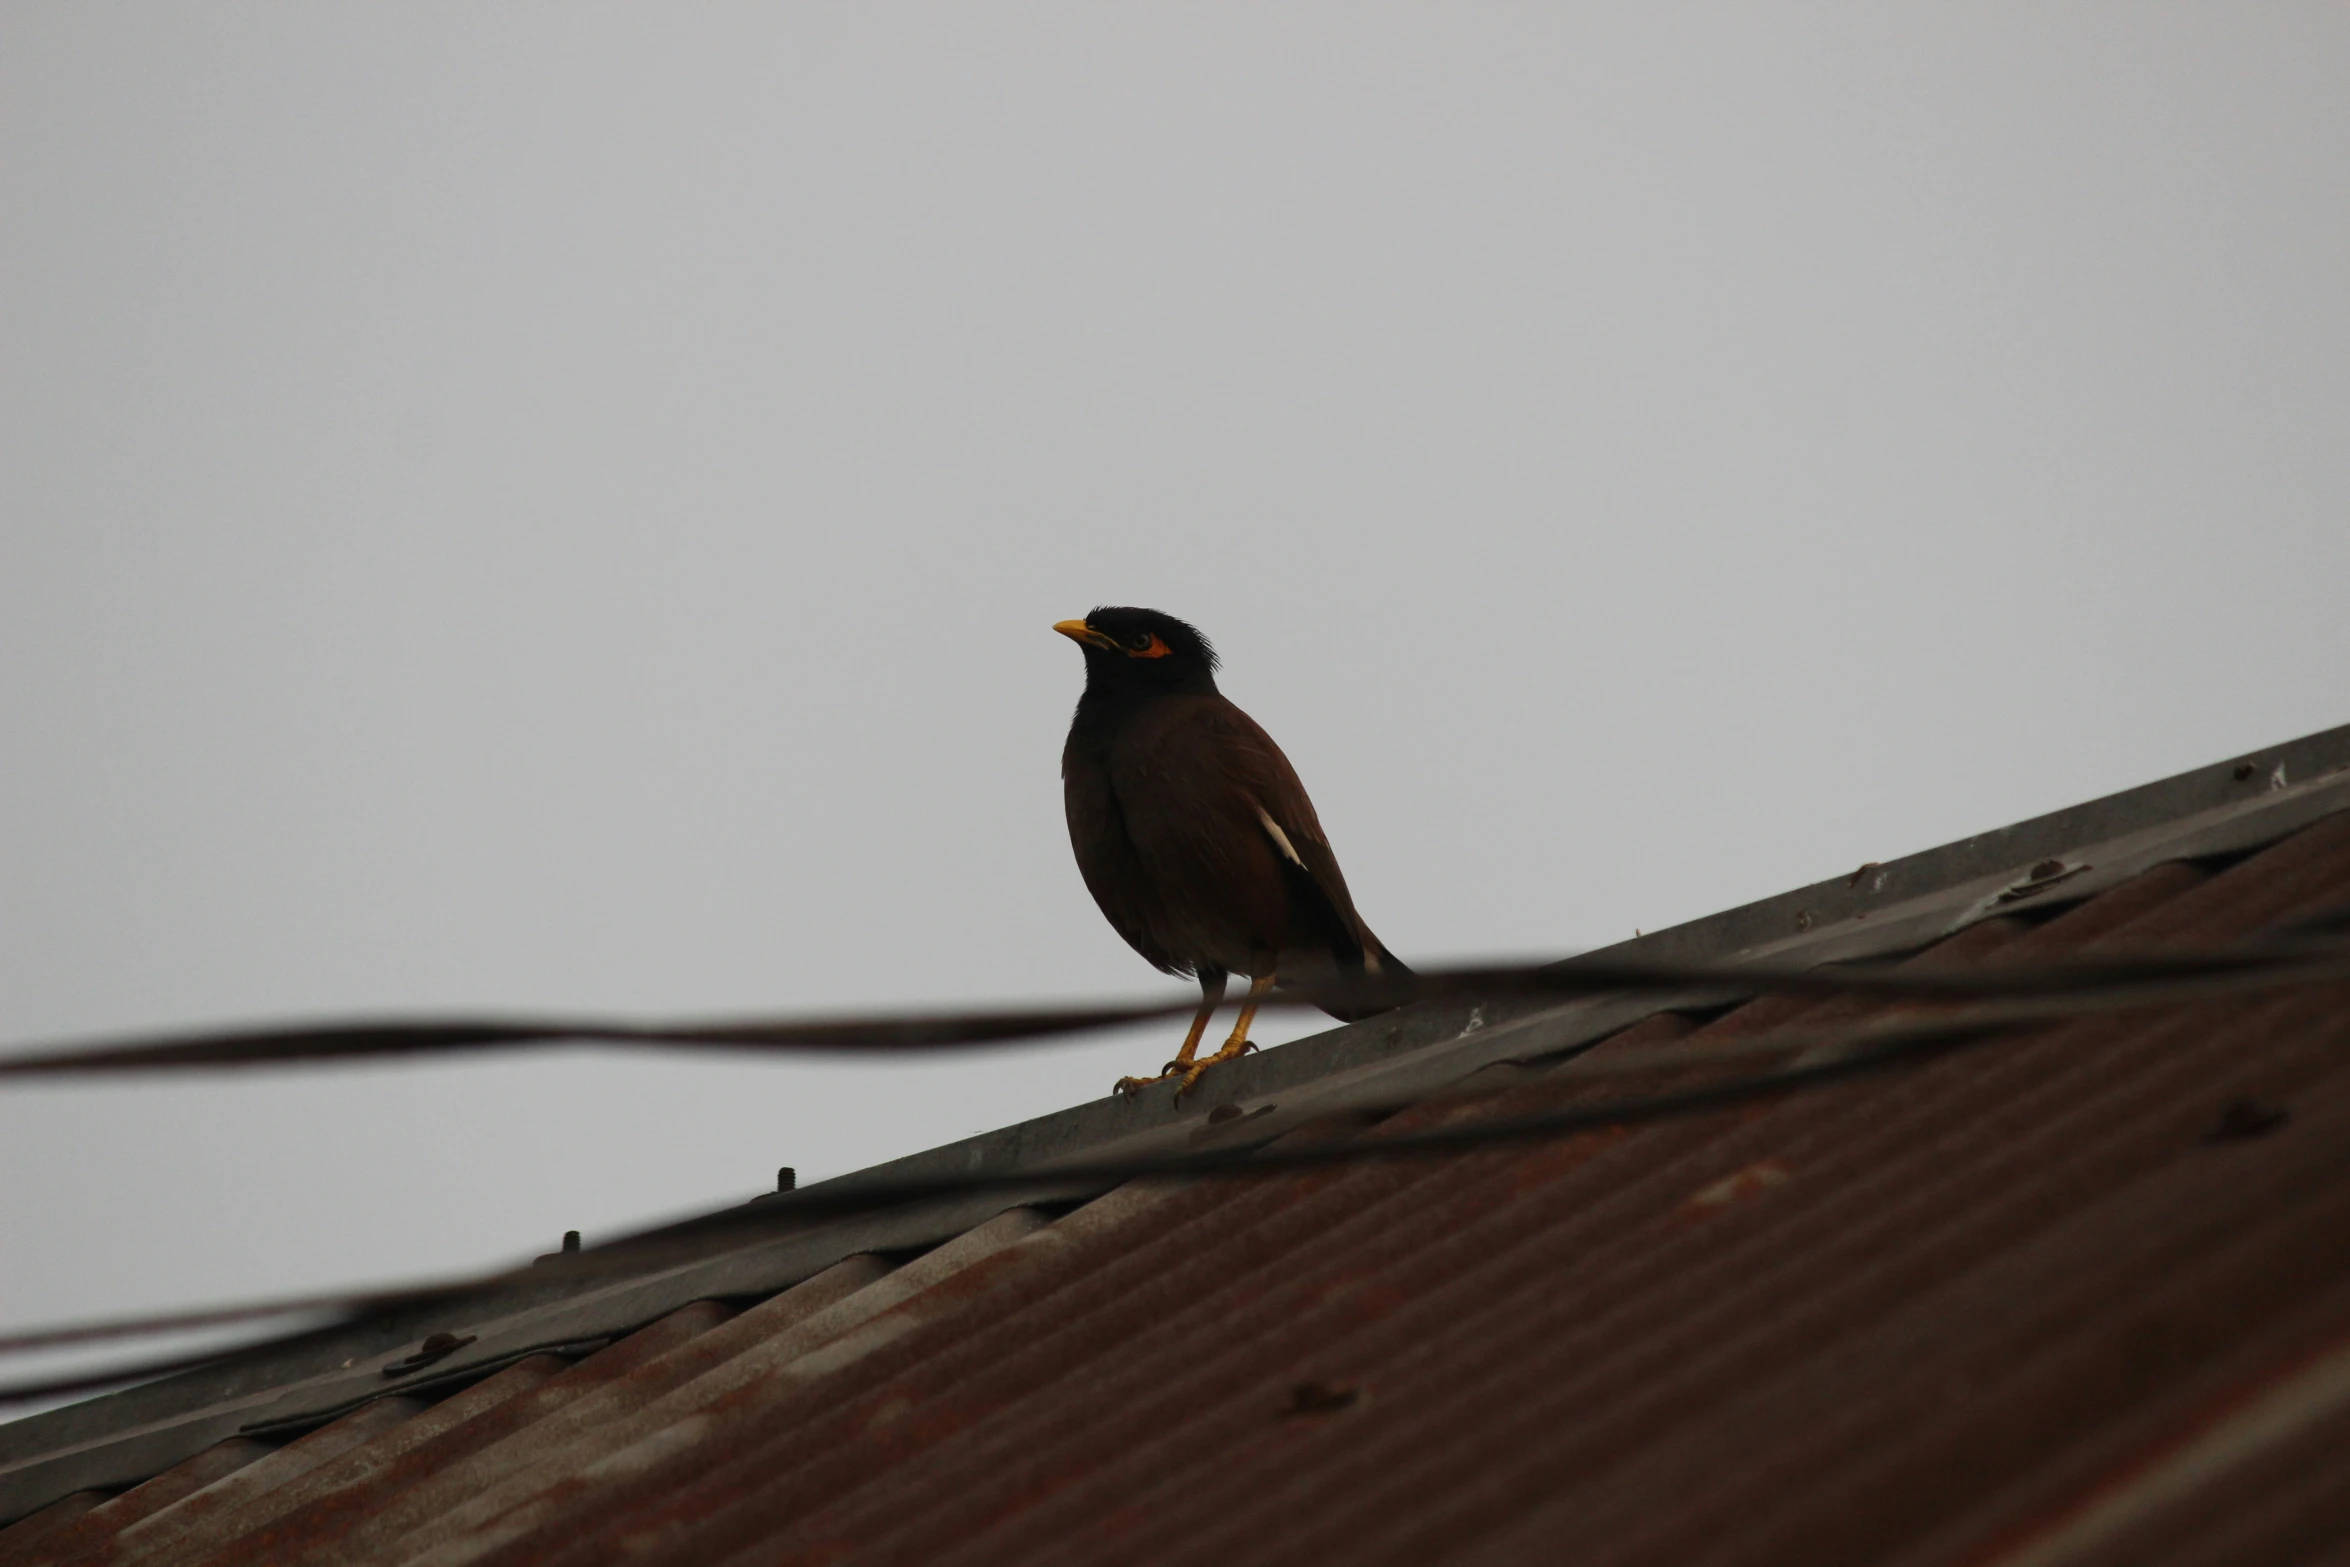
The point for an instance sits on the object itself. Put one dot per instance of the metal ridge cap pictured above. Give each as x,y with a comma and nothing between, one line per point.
1918,896
1522,1029
2234,781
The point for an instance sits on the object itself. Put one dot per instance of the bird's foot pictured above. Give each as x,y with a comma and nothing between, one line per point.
1190,1071
1232,1051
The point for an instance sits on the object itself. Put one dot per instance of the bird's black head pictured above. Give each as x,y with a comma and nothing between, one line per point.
1141,651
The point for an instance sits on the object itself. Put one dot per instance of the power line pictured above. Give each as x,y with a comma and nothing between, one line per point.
913,1032
1825,1057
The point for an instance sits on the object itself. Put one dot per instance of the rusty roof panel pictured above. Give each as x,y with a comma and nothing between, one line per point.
2081,1297
31,1537
104,1522
2261,1482
116,1440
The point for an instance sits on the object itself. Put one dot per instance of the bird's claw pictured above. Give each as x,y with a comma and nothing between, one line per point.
1199,1069
1190,1071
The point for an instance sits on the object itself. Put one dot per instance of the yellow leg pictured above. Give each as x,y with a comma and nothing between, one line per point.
1211,994
1238,1044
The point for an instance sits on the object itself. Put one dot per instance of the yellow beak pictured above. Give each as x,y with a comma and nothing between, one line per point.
1079,631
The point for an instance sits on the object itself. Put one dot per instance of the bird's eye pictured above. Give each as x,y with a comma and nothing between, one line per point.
1140,641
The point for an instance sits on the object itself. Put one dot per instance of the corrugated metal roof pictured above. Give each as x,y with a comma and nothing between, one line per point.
2079,1297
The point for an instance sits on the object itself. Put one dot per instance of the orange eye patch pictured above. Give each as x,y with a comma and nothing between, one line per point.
1157,649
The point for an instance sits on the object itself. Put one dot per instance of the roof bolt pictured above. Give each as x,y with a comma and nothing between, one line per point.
787,1179
570,1249
1803,919
2243,1119
2245,770
1223,1113
440,1346
1309,1399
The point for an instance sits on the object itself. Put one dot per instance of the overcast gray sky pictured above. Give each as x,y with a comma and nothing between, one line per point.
562,506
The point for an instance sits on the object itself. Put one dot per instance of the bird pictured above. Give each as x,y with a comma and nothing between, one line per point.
1196,838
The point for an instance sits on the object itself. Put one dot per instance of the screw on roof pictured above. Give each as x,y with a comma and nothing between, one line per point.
1310,1399
570,1249
438,1347
2243,1119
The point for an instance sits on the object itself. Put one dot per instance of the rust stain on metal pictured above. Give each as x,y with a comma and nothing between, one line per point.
1740,1185
2257,1420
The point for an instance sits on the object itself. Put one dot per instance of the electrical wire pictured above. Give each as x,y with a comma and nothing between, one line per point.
1824,1058
889,1033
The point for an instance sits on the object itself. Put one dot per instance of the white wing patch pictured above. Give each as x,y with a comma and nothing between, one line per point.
1280,838
1281,842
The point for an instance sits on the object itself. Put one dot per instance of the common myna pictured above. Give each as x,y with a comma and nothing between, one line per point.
1194,835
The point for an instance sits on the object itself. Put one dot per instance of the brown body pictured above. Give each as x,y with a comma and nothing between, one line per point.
1200,845
1194,834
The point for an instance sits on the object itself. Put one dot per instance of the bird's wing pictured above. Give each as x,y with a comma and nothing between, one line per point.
1246,774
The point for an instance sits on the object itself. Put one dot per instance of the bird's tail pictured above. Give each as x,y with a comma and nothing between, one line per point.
1380,983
